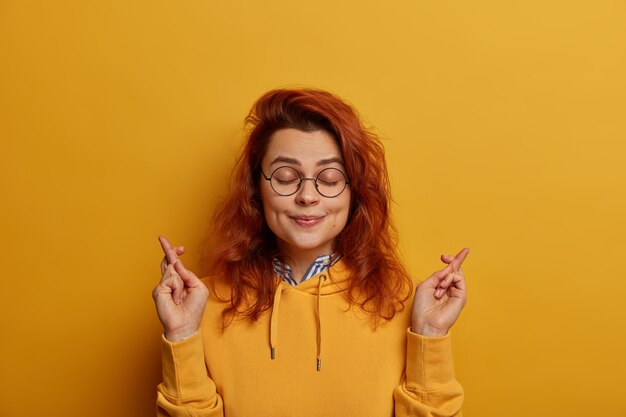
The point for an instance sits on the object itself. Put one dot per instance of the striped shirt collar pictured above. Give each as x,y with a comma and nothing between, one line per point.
319,265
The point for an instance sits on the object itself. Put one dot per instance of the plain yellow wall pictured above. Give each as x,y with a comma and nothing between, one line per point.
505,128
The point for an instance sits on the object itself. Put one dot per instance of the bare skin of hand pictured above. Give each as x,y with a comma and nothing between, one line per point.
440,298
180,297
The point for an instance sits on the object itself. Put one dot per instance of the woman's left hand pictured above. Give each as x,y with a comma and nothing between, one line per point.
440,298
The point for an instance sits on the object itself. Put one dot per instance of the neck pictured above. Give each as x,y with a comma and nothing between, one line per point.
300,261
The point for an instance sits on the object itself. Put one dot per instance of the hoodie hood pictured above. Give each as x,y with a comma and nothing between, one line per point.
336,281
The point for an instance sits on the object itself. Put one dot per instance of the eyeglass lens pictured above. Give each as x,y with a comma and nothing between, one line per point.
330,182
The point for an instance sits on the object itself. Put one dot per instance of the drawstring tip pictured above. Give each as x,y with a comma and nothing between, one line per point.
319,364
273,353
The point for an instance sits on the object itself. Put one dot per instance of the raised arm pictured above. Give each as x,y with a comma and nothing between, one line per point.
430,388
180,299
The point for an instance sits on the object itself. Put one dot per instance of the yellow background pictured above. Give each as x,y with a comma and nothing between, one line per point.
504,124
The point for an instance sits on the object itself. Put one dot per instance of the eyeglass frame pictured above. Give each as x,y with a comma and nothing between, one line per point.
302,179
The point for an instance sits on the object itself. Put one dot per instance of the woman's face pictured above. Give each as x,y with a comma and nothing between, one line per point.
305,223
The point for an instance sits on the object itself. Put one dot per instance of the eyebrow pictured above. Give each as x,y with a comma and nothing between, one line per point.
294,161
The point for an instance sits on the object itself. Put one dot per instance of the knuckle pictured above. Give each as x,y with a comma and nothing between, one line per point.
157,291
170,281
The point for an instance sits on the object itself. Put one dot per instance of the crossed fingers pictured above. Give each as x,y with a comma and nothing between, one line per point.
171,253
451,277
455,262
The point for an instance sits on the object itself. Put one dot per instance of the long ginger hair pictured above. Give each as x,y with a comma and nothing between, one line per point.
244,246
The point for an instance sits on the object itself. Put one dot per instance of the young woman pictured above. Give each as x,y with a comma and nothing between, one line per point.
309,311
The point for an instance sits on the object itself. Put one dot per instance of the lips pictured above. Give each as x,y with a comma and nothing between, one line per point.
307,221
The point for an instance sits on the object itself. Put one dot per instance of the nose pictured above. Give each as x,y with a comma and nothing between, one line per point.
307,194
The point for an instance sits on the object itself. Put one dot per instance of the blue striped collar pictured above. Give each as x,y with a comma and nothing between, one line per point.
319,265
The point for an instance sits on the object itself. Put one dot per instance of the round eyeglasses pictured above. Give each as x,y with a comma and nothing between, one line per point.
286,181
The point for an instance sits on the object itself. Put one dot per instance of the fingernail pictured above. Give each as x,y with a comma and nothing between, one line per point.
437,293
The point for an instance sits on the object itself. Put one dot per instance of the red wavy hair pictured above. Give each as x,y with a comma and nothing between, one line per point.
244,245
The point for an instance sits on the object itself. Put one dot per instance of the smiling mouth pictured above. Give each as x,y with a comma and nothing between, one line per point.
307,221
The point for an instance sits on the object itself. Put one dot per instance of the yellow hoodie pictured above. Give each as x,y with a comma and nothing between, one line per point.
328,361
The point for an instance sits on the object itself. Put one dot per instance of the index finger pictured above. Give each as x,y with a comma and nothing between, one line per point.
170,252
459,258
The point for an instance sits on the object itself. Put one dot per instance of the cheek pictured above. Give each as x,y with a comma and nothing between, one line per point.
264,195
343,211
266,199
266,203
273,210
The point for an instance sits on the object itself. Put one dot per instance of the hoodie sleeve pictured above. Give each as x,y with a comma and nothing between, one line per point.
186,389
429,388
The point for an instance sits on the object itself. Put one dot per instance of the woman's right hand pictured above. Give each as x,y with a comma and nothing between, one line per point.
180,297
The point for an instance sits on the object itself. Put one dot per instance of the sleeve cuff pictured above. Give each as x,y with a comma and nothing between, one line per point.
429,365
184,369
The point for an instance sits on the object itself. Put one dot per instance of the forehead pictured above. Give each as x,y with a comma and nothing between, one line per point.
306,147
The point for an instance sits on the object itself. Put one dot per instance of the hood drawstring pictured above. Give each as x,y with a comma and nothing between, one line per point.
274,321
319,323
